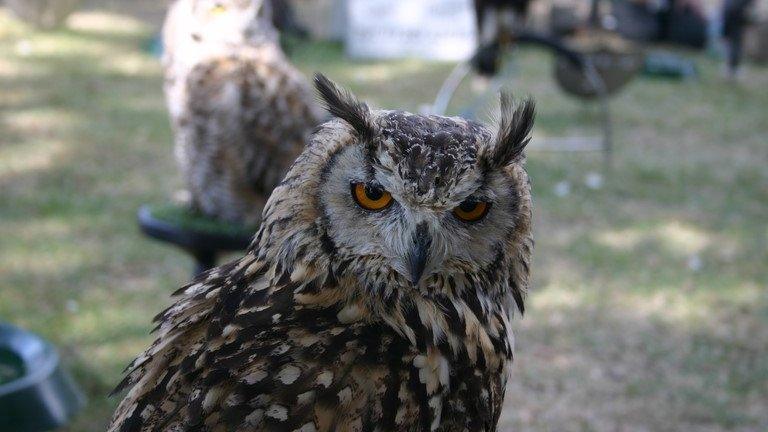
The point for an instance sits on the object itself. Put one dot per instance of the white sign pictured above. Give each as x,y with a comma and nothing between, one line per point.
427,29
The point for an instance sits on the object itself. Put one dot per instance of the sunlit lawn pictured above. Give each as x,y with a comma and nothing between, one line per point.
649,310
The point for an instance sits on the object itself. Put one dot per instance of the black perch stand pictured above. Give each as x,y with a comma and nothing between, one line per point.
36,394
202,237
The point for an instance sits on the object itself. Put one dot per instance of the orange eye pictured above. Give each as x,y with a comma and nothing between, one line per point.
471,211
218,9
372,198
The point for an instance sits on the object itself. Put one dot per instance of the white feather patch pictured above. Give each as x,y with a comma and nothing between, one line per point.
325,378
350,313
277,412
289,374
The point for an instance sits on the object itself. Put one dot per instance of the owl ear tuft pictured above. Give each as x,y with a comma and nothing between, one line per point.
514,131
342,103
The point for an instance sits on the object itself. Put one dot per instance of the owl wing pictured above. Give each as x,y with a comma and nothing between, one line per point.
253,346
236,352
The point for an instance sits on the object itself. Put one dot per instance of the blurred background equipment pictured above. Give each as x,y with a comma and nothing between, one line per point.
284,19
668,65
426,29
36,393
591,62
681,22
498,22
756,41
613,59
45,14
735,21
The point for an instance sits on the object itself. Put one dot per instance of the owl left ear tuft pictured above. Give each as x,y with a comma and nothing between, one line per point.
342,103
514,131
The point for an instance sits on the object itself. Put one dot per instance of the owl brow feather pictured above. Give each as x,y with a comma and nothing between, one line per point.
514,131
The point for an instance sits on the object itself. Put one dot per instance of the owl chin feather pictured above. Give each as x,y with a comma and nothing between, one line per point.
345,318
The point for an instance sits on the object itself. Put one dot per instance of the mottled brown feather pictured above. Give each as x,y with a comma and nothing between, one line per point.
299,334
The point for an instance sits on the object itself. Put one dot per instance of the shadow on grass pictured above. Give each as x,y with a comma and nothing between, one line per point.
584,365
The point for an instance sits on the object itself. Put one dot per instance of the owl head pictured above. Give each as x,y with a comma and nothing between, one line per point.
407,203
228,21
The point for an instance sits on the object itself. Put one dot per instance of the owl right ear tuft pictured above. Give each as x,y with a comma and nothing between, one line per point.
514,132
342,103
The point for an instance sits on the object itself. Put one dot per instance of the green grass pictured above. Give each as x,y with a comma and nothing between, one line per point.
649,309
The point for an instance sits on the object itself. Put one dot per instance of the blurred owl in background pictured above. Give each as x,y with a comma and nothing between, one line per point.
376,296
240,112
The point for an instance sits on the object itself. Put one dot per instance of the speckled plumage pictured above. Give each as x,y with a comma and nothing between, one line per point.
241,113
320,326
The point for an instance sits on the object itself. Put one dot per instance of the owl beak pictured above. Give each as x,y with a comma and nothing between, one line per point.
419,252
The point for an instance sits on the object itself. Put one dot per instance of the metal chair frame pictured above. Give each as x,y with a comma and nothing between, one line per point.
604,143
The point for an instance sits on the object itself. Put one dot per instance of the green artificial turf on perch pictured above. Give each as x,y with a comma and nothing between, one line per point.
203,237
187,219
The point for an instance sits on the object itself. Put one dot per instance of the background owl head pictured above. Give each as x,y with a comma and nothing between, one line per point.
227,21
409,202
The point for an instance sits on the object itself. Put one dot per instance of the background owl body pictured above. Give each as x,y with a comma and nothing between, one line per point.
321,326
241,113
